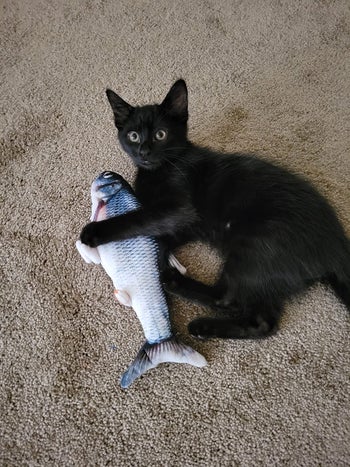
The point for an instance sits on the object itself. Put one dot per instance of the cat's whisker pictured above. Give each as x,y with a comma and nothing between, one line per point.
175,148
179,157
184,160
177,168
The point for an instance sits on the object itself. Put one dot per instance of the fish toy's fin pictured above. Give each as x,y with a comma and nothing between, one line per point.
151,355
175,263
123,297
89,255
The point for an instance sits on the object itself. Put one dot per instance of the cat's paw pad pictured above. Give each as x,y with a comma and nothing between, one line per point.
202,328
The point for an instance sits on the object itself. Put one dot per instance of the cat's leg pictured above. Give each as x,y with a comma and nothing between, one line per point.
252,298
258,321
176,283
193,290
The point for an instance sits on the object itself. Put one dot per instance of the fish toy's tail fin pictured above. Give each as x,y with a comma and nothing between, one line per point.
151,355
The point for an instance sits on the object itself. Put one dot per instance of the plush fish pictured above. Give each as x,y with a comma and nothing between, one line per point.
133,266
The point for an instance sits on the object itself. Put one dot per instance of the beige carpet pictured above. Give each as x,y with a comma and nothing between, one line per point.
266,76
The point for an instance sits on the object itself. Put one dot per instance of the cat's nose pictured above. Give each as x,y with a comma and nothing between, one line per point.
144,152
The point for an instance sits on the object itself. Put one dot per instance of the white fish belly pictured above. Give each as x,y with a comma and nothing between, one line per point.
133,267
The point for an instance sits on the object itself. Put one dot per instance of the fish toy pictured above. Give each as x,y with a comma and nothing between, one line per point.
133,266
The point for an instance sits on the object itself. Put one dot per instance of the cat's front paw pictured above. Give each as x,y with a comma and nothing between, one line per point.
171,280
202,328
90,235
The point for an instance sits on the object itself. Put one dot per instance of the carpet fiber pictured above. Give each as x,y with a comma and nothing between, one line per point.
269,77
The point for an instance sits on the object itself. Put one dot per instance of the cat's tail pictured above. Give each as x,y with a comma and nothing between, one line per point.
340,280
341,286
151,355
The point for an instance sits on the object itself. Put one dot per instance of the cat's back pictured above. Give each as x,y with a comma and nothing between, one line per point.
251,191
244,169
250,177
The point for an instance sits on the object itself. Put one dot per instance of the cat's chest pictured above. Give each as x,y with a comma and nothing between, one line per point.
157,188
146,187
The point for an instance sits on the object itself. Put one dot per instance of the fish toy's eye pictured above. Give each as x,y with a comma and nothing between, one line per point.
134,137
160,135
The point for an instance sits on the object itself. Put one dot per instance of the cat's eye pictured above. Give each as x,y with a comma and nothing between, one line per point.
160,135
134,137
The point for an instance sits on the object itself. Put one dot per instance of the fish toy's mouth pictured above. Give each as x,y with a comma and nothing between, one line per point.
101,204
106,185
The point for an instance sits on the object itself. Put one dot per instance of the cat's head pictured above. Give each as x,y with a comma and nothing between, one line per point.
152,134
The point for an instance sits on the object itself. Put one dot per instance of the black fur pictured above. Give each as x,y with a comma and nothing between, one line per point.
277,235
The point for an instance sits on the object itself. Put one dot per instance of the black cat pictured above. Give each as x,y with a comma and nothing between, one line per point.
277,235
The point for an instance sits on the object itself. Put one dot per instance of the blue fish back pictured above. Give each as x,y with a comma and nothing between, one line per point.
121,203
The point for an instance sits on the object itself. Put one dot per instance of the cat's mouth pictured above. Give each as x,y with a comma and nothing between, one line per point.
146,164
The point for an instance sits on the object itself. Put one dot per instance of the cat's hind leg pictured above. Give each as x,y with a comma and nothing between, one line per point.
259,321
192,290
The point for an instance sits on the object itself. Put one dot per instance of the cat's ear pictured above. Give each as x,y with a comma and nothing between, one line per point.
176,102
121,109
